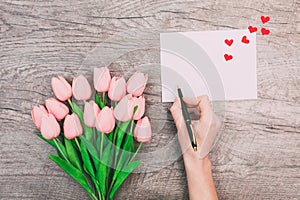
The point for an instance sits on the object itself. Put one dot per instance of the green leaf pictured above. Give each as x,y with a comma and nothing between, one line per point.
122,175
88,131
76,174
98,101
98,141
51,142
72,154
100,165
121,132
89,146
128,141
110,135
88,166
86,160
135,109
127,147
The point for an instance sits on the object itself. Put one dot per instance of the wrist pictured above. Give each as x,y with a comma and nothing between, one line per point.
199,178
195,165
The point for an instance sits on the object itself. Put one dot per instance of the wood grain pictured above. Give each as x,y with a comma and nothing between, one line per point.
257,155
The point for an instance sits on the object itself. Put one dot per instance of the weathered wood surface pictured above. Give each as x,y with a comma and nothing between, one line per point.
258,153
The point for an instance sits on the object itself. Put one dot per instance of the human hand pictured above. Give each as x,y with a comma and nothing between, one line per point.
197,164
206,125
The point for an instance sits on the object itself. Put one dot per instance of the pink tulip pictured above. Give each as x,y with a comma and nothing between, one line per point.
137,83
117,89
37,114
91,110
140,102
57,108
102,79
61,88
49,127
124,110
142,131
72,126
81,88
105,121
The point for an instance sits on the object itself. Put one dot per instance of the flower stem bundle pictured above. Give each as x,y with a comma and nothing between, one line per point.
95,144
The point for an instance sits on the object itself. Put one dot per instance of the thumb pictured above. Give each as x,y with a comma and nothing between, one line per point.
181,127
177,113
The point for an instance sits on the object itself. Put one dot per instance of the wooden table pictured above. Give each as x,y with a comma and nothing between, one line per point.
257,155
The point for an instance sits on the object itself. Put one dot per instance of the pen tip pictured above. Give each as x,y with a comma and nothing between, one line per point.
195,148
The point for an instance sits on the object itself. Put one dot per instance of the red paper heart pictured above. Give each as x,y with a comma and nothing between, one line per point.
228,57
229,42
245,40
265,31
265,19
252,29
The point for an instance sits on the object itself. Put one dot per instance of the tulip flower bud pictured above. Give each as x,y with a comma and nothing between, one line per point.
124,109
49,127
105,121
91,111
102,79
61,88
72,126
117,89
142,131
37,114
57,108
140,102
81,88
137,83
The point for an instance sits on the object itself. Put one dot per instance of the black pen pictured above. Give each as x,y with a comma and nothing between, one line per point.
187,120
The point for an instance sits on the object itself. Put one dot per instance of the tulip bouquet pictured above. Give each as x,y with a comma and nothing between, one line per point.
94,139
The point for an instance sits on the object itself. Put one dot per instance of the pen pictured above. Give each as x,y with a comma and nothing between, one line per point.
187,120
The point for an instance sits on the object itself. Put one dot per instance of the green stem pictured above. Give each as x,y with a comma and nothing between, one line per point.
109,189
115,146
101,144
113,104
136,152
93,197
62,153
71,104
100,195
95,136
76,140
103,97
130,134
131,126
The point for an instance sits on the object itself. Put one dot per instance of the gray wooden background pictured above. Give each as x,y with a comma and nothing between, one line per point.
257,155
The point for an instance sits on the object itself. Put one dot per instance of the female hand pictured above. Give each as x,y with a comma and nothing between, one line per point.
197,164
205,126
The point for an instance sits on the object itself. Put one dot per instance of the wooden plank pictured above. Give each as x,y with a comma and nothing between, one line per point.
257,153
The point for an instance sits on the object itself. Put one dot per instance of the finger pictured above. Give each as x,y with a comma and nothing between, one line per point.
194,101
199,133
176,113
191,110
191,102
204,106
176,103
194,110
181,126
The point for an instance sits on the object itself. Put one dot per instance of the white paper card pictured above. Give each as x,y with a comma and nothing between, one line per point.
195,62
